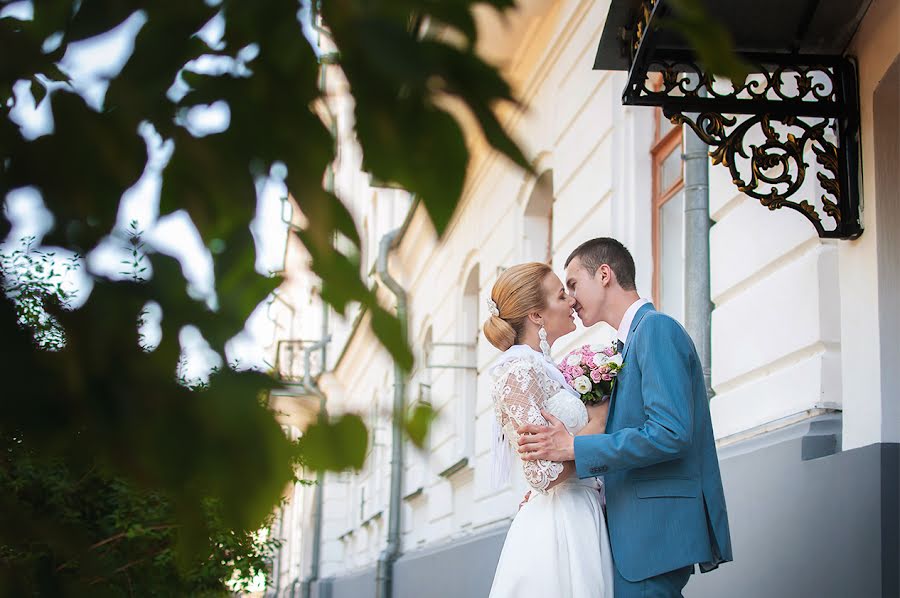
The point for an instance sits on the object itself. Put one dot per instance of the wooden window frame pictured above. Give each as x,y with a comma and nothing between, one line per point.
662,149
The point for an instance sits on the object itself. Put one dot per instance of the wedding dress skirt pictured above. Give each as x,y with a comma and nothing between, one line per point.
557,546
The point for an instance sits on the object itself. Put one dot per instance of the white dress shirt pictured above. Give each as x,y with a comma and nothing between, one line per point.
628,318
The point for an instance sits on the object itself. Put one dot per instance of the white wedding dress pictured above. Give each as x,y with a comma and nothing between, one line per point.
557,544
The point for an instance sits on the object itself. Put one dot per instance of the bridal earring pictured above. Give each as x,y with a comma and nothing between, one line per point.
545,346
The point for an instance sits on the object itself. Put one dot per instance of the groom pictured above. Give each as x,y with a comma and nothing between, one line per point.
665,505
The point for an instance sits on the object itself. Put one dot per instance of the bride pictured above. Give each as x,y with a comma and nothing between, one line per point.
557,544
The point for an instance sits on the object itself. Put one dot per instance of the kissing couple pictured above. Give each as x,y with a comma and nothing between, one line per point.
649,447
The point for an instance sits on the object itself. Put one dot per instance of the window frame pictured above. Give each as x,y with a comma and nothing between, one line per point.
662,148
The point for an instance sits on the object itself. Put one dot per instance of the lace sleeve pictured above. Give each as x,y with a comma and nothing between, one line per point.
518,399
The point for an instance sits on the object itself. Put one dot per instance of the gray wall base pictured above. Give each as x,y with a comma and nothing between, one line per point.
462,568
358,584
805,522
823,528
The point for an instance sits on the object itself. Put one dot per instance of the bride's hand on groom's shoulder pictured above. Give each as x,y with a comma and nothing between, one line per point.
549,443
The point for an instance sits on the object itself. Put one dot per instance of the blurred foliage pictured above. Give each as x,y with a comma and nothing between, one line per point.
335,444
169,464
132,538
31,277
113,538
418,422
711,41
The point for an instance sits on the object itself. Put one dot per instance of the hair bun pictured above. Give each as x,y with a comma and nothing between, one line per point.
499,333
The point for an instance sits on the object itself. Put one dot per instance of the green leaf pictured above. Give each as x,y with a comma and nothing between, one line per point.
710,39
341,283
327,215
335,445
239,287
418,422
390,332
434,153
391,73
38,91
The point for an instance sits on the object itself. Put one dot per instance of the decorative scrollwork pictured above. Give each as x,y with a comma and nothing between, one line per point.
683,78
790,109
769,165
640,27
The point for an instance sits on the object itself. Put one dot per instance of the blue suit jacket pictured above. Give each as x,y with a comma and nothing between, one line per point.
664,498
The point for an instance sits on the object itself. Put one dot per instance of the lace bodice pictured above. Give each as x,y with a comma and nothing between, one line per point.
522,387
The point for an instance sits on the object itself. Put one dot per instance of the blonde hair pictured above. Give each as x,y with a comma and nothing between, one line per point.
518,292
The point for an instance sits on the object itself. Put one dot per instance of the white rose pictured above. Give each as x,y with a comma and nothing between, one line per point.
582,384
573,359
600,360
616,359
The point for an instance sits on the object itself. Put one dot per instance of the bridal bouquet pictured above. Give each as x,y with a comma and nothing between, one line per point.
592,370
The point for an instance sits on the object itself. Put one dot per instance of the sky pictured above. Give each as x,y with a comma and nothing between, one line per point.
90,64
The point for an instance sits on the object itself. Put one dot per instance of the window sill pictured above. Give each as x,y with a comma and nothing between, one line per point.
456,467
371,519
414,494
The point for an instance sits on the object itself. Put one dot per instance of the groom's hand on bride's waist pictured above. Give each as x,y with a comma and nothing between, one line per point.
550,443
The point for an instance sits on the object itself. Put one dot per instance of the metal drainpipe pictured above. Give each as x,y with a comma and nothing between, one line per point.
311,387
313,577
385,572
697,302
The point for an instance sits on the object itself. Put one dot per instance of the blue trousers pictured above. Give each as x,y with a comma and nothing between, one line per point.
667,585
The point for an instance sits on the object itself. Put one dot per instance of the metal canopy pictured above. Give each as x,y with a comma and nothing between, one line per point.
769,26
798,106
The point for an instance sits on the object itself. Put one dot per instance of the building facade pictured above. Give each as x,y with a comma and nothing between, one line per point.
802,333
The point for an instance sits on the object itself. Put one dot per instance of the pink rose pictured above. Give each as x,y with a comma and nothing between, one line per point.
604,369
609,351
606,377
596,375
568,378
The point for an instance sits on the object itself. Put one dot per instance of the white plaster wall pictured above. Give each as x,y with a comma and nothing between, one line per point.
870,417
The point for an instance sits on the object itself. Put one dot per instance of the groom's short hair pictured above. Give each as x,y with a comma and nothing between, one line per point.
609,251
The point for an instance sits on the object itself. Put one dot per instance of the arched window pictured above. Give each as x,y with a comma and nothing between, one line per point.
468,380
424,375
537,237
415,459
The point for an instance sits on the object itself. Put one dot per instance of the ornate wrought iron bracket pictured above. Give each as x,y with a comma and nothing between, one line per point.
792,111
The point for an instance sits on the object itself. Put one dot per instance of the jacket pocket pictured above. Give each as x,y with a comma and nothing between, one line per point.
665,487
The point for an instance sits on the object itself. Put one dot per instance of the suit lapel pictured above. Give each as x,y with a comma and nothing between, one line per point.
643,311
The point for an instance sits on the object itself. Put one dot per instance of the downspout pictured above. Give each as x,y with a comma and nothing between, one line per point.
316,557
385,572
697,301
313,388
